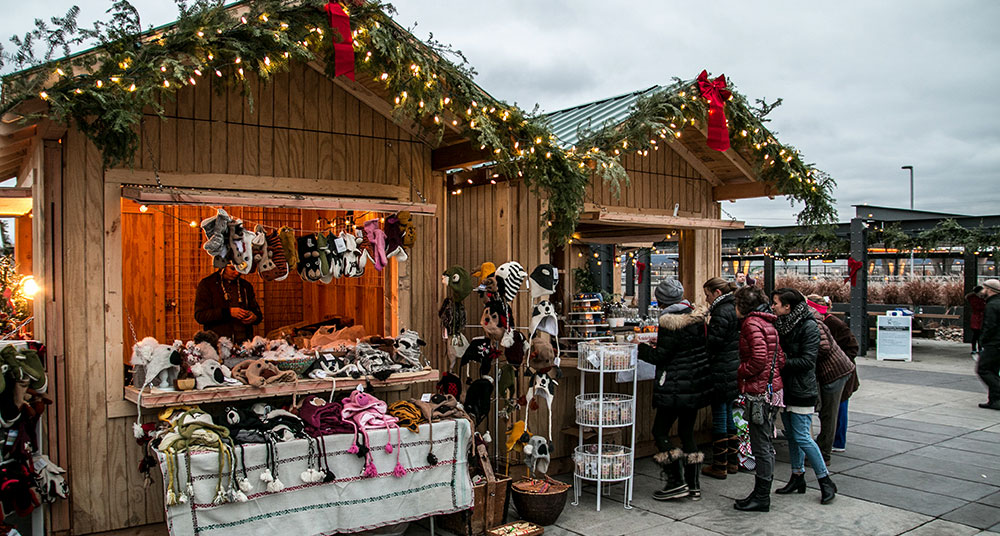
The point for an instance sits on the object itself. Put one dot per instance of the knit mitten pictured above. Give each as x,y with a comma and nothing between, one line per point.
326,274
408,229
376,237
217,237
394,239
271,266
287,237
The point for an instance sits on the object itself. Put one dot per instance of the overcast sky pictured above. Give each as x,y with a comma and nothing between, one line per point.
867,86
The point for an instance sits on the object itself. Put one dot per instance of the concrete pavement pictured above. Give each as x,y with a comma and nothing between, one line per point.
921,459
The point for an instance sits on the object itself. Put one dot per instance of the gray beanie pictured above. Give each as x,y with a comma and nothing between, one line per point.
669,292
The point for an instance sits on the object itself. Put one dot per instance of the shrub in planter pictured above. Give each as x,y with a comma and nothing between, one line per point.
838,290
952,293
893,293
922,292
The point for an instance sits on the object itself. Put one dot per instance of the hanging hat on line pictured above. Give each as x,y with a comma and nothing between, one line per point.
543,280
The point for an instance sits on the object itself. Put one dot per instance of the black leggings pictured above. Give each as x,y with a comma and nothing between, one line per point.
665,418
976,333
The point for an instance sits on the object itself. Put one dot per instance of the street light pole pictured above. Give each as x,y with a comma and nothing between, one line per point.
911,208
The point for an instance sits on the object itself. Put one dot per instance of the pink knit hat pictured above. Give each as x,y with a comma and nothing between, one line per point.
364,412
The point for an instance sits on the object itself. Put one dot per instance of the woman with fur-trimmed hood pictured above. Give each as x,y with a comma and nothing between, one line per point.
682,387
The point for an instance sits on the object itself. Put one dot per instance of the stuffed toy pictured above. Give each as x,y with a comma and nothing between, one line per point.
407,348
241,247
376,237
510,277
477,399
271,264
537,456
406,227
394,239
289,246
258,372
310,267
365,412
543,281
217,238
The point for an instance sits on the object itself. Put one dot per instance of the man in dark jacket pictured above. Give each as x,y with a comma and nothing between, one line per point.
225,304
989,359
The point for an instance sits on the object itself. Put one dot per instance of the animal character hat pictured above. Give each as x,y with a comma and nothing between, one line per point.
365,412
543,386
510,276
543,281
452,312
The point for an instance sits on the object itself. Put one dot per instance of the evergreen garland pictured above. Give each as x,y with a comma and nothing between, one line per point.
105,90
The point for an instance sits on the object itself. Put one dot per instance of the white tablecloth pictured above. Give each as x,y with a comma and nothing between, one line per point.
350,503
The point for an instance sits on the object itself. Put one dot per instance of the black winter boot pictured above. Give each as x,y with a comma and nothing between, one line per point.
828,490
720,452
759,500
692,469
796,483
670,464
733,455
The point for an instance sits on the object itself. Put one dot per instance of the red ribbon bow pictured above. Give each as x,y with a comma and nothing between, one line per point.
716,94
343,51
641,267
852,269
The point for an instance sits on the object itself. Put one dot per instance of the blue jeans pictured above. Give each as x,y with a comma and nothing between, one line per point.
801,444
840,438
722,419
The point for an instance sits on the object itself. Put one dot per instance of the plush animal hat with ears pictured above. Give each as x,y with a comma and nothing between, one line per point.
543,280
510,276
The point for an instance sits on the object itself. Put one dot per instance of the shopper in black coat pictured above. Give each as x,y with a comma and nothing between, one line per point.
724,356
681,387
800,340
988,366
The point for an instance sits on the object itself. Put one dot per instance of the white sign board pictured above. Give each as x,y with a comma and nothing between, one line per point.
894,338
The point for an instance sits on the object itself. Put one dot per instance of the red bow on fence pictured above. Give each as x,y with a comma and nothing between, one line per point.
852,270
343,50
641,267
716,94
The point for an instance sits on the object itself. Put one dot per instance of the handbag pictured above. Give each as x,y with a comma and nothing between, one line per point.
759,407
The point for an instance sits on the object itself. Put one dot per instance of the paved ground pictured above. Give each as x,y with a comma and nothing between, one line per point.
922,459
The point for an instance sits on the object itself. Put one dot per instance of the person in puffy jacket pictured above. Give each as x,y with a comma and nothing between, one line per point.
800,340
681,387
761,361
724,356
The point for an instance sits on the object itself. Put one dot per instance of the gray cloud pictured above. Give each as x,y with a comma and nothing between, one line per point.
867,86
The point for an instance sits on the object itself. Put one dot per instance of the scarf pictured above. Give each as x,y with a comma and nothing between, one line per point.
678,307
785,324
718,300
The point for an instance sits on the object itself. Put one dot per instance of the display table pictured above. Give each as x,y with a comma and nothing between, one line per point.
350,503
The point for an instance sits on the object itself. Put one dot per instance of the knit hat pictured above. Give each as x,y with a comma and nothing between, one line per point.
992,284
439,407
507,383
322,417
449,384
157,359
537,455
669,292
407,415
543,280
510,278
365,412
481,351
209,373
514,354
543,386
459,283
485,270
518,434
543,317
478,397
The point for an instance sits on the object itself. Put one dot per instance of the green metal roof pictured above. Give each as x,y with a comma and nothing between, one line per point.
567,124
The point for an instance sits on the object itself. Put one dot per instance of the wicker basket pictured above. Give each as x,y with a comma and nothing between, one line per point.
540,508
489,508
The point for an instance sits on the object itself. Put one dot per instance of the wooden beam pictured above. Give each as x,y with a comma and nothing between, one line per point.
691,158
254,183
746,190
15,146
169,196
460,155
735,158
15,193
658,221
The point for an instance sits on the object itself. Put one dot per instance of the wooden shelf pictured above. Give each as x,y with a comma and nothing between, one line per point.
160,399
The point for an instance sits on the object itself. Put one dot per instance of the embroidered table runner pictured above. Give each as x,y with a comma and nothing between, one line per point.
350,503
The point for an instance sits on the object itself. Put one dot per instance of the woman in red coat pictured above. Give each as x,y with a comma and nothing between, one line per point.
759,379
977,306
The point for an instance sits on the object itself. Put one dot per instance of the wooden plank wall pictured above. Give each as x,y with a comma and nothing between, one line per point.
301,125
657,181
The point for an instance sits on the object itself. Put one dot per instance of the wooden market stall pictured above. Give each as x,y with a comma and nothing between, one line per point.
674,192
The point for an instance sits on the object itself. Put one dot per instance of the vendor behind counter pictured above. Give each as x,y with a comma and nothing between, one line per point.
225,303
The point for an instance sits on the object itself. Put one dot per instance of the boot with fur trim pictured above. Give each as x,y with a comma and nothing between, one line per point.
675,487
692,469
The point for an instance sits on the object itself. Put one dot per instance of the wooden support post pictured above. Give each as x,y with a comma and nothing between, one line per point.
645,287
971,279
859,292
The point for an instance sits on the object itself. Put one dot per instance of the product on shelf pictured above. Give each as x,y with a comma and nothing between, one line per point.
610,410
610,462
